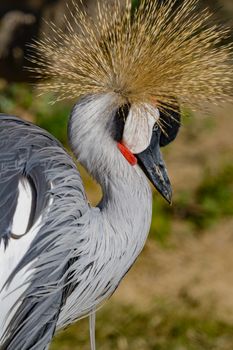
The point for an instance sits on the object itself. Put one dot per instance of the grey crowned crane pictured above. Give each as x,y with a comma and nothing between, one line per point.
130,73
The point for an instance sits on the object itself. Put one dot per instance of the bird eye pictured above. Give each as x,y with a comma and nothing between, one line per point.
119,122
155,127
170,124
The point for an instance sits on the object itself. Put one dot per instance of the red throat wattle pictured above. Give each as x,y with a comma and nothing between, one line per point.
129,156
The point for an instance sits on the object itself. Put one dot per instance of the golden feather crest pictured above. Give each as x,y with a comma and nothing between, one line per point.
155,55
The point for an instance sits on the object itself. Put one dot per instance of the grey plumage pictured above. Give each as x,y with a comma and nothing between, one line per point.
79,254
18,160
31,152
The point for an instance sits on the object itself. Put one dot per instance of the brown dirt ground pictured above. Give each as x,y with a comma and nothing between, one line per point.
196,270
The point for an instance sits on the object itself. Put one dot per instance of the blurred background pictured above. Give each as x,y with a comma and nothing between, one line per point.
179,294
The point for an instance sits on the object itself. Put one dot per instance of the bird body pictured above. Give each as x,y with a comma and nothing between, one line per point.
130,74
30,153
75,256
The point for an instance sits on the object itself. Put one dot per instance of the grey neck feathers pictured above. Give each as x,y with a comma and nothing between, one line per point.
125,209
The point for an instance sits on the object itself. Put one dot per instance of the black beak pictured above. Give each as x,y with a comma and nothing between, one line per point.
152,164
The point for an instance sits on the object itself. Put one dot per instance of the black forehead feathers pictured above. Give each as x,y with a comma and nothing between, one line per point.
169,120
119,121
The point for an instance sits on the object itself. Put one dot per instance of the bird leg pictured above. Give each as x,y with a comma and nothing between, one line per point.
92,318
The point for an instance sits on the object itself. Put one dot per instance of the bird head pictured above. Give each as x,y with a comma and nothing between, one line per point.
140,137
152,61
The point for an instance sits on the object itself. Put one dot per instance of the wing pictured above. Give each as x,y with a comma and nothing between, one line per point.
41,200
22,189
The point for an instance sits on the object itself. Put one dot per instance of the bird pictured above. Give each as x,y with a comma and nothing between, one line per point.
131,73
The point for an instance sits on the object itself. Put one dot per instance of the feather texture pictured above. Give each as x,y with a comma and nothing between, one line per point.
153,55
33,277
76,259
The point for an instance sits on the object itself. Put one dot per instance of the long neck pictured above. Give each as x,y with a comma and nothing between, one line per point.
125,209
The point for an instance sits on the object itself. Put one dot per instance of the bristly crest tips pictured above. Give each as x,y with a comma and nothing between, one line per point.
156,54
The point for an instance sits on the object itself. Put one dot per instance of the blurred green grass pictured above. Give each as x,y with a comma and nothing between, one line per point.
200,208
135,4
21,99
163,327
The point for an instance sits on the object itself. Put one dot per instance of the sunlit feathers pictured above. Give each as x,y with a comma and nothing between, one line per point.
156,54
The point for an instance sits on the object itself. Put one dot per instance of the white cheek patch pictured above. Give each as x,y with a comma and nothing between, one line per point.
23,209
139,127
